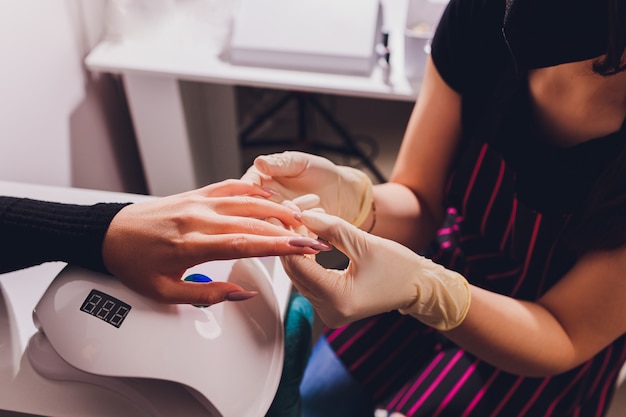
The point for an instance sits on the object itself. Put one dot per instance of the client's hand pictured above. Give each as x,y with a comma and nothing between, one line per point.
382,276
149,245
343,191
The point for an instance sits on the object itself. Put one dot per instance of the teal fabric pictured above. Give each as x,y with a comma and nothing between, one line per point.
298,341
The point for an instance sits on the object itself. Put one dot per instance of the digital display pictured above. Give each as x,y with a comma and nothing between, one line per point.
105,307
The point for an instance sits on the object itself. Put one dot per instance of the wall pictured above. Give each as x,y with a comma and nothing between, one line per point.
59,124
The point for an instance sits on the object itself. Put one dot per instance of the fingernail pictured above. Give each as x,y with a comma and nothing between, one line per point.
297,215
240,295
307,242
271,191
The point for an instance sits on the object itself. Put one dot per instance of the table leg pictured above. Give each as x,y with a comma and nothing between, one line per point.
186,137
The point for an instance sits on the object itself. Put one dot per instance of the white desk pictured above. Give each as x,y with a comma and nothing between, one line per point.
172,139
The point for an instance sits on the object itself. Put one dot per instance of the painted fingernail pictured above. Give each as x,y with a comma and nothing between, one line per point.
271,191
307,242
240,295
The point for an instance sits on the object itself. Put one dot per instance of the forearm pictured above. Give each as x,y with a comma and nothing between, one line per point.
517,336
401,217
33,232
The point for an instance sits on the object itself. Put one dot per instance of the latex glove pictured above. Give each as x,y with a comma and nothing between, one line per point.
343,191
149,245
381,276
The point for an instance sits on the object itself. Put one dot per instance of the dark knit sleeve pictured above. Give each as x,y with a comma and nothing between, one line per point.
33,232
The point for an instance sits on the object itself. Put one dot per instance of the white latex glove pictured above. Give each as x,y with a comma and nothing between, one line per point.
343,191
382,276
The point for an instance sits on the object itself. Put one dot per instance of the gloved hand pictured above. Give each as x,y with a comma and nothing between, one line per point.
343,191
382,276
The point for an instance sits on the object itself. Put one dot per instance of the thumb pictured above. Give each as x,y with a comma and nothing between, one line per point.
206,293
346,237
285,164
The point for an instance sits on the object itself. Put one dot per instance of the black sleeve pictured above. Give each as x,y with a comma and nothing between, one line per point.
446,45
468,47
33,232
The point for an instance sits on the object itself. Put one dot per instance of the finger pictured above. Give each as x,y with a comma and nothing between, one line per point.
325,288
344,236
303,231
196,293
233,187
291,205
234,246
285,164
255,208
307,201
249,226
275,222
296,204
252,175
304,272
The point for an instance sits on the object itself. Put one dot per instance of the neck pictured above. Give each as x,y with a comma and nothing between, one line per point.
578,81
573,104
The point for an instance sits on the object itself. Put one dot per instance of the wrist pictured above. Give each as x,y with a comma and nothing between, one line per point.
440,297
359,194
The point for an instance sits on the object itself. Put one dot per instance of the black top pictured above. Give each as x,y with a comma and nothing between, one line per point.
472,56
33,232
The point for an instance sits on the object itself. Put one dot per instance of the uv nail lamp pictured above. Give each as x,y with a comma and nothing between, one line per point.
225,360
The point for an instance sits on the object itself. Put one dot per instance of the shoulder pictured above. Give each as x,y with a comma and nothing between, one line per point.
468,41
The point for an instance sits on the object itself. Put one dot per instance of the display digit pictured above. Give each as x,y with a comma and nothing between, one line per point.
105,307
119,316
93,301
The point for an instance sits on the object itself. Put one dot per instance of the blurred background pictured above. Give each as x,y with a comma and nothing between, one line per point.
63,125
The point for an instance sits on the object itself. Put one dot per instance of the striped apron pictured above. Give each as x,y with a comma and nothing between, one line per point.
501,245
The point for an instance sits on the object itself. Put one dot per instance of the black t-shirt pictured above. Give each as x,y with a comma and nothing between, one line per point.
471,55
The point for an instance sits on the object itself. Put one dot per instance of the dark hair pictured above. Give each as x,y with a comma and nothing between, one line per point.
601,224
613,62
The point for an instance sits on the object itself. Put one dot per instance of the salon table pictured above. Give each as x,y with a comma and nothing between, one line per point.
23,390
183,107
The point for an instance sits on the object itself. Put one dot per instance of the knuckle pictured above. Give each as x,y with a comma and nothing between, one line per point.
209,299
254,226
244,199
238,245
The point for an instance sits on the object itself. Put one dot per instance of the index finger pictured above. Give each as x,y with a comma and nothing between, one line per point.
346,237
234,246
234,187
245,206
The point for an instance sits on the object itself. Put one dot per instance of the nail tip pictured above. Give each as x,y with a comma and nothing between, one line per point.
305,242
240,295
